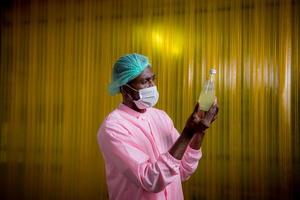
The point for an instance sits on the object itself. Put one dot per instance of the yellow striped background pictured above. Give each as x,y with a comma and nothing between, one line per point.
55,66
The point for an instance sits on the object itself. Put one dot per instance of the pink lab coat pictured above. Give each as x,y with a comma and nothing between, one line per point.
137,162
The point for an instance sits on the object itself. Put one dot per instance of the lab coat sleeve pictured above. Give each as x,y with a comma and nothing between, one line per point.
191,157
129,157
189,163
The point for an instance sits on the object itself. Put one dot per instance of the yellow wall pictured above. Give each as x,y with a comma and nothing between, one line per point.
56,59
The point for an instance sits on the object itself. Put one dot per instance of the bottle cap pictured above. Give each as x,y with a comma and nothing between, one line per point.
212,71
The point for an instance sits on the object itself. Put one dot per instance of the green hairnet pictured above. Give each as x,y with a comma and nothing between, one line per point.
126,69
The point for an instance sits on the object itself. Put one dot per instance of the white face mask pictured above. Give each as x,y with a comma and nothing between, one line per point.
148,97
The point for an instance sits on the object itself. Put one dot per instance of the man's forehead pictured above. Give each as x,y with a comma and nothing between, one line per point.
147,73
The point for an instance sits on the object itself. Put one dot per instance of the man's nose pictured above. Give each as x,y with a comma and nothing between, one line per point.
151,83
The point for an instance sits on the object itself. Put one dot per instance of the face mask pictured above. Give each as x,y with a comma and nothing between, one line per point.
148,97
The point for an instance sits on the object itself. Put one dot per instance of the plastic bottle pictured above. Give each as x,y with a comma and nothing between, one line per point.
207,95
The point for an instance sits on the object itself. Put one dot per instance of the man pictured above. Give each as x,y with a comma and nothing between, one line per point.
145,156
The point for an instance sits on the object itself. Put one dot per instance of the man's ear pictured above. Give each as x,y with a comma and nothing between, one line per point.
125,93
123,90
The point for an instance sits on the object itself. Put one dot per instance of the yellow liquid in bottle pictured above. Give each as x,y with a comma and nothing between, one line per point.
206,99
207,95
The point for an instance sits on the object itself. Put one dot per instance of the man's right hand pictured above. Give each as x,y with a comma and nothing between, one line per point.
193,131
200,120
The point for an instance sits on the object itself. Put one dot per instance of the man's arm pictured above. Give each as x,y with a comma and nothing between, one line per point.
193,132
197,140
130,158
179,147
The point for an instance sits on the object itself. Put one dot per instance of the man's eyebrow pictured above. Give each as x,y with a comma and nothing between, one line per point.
153,75
148,77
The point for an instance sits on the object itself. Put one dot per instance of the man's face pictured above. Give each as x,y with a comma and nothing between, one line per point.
144,80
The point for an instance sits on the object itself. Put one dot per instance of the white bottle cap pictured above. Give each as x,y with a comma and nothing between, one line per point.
212,71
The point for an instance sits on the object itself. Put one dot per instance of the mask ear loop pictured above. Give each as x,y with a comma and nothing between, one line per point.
126,94
131,88
134,90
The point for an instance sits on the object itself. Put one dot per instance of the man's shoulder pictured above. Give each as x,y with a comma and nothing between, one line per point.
113,121
113,117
